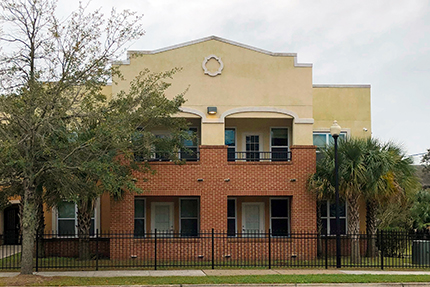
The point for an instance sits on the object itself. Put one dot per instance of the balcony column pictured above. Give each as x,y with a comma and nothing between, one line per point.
302,133
212,133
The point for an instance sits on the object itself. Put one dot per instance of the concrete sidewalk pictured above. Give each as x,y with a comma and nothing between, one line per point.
216,272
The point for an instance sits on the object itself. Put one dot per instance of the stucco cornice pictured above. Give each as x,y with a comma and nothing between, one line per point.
227,113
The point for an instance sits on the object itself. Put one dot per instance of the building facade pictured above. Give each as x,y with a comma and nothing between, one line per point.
258,120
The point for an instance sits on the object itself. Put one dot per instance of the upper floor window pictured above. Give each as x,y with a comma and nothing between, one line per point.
323,139
191,145
279,144
230,142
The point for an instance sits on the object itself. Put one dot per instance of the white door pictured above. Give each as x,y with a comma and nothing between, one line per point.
162,218
252,217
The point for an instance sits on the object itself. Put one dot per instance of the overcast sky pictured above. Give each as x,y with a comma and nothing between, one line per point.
382,43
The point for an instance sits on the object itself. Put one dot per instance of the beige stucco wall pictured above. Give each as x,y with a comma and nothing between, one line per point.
249,79
350,106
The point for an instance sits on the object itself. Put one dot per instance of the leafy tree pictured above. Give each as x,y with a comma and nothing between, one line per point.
420,210
56,126
426,161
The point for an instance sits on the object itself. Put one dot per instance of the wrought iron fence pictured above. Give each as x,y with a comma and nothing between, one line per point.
219,249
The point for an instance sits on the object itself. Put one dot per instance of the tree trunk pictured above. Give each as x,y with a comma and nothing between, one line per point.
28,228
371,207
40,223
85,209
354,227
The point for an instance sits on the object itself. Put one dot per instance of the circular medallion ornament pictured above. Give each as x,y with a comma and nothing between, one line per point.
216,73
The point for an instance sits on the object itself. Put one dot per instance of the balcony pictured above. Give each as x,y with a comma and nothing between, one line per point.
256,156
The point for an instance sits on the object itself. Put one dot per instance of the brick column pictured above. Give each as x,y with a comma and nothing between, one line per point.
213,201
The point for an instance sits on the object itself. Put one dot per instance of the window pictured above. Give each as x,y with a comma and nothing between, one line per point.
230,142
139,217
328,217
192,146
252,147
67,221
279,216
279,144
189,217
322,139
231,217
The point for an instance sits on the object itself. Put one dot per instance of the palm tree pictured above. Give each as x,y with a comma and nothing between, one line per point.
351,180
389,174
369,170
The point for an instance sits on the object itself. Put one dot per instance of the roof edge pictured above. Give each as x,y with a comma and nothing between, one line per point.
341,86
193,42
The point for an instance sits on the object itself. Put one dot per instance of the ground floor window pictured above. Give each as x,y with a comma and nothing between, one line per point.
189,216
67,219
328,217
279,216
231,217
139,217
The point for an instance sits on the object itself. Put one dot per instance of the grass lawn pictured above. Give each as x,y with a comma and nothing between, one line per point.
31,280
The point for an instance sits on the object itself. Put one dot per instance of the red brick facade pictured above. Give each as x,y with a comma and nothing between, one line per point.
222,179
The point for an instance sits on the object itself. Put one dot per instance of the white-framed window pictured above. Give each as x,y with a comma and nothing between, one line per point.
280,216
279,143
231,143
189,210
192,146
65,219
323,139
328,217
231,217
139,217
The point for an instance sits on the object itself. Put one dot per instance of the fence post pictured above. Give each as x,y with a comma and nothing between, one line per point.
326,250
270,252
97,249
37,251
381,237
213,249
155,249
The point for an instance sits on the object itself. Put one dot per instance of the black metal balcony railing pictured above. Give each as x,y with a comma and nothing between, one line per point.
258,155
166,156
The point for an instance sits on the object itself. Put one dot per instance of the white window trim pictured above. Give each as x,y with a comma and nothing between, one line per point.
328,217
260,139
96,219
235,216
145,214
288,138
197,139
163,232
289,213
235,136
198,213
261,204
